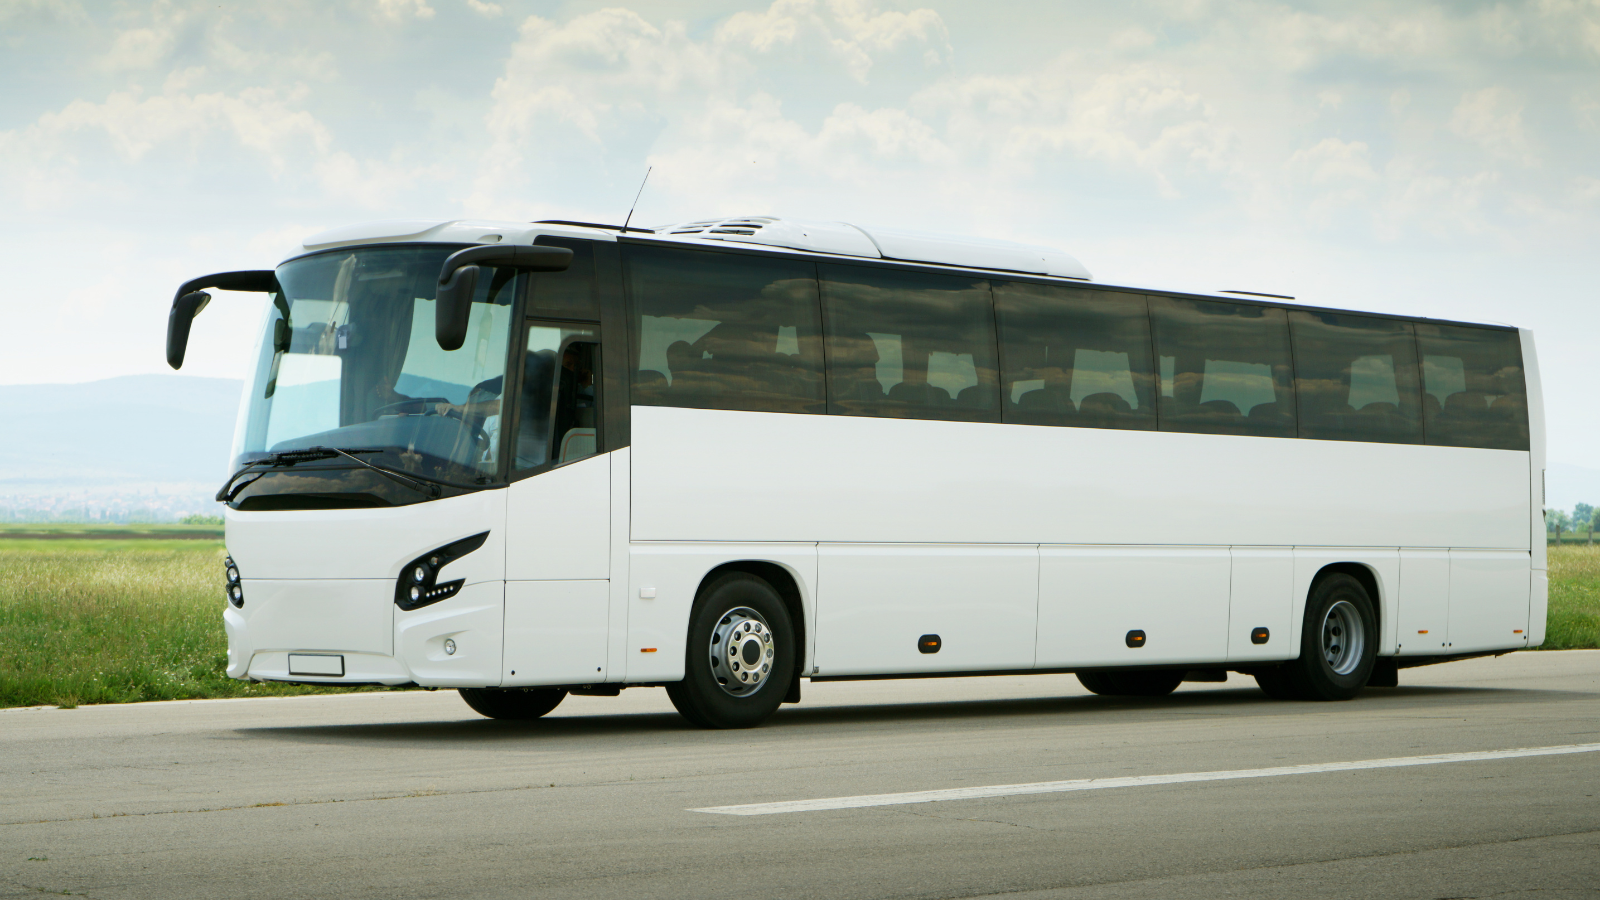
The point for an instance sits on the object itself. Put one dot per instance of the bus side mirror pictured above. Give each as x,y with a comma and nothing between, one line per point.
458,281
190,299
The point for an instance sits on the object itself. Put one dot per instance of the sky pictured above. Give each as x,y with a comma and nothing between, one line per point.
1436,159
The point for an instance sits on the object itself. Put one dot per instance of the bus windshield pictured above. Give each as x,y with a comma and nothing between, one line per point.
349,360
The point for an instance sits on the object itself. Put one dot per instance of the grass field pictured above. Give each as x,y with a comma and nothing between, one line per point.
117,619
1574,621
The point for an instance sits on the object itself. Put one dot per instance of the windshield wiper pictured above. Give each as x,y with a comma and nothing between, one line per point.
233,486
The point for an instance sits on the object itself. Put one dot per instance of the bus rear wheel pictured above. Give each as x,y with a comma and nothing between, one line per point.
1131,684
512,703
1338,645
741,655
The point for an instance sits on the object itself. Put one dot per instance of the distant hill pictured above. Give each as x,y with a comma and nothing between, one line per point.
108,443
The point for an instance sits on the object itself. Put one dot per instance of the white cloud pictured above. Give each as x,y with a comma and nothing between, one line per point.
484,8
1492,118
397,10
852,32
69,11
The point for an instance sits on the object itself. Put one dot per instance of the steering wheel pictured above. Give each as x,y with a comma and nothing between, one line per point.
426,403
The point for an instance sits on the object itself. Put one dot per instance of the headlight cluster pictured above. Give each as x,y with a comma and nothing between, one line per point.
419,583
234,589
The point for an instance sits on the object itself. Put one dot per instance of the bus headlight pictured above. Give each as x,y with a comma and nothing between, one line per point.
234,589
419,584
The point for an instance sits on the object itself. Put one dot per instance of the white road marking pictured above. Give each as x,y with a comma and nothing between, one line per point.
1098,784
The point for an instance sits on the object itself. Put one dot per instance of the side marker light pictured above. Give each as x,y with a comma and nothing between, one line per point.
1259,635
642,650
1135,639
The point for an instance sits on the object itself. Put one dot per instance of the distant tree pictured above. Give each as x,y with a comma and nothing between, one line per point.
1557,521
201,519
1583,519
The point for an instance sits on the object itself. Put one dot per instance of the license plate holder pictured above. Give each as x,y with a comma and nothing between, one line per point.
326,665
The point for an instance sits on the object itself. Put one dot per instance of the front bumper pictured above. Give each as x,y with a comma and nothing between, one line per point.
357,619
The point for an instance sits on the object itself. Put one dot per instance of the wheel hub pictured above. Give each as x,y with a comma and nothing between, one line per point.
741,651
1344,637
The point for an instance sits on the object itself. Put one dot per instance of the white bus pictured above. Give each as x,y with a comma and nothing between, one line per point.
526,460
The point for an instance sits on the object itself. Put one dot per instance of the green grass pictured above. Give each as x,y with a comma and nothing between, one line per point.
115,621
59,530
1574,621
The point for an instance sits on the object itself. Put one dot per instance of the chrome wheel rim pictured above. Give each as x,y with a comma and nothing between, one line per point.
1344,637
742,651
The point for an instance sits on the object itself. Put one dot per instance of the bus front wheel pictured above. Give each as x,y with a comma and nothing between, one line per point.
1338,645
501,703
741,655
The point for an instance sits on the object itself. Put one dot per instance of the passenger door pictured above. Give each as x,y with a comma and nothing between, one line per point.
558,515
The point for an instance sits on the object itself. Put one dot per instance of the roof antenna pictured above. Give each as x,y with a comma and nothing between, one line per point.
636,200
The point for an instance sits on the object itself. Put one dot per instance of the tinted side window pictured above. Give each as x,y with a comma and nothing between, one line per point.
1224,368
1075,357
724,331
1356,378
570,294
1473,394
909,345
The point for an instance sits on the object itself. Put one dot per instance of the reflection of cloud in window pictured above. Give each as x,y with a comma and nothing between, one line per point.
1443,376
1102,372
951,372
1372,381
891,365
788,340
1245,385
657,333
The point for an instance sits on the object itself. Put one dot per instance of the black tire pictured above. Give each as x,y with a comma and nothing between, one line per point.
1276,686
1157,683
1332,666
513,703
711,694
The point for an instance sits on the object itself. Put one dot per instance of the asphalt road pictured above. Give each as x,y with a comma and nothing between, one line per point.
412,795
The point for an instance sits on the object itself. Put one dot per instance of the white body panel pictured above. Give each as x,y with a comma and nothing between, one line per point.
368,543
1260,596
558,524
714,475
876,600
472,620
1424,620
1488,600
1091,597
556,632
331,614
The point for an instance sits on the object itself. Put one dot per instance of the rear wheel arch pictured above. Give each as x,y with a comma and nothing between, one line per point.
1361,573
